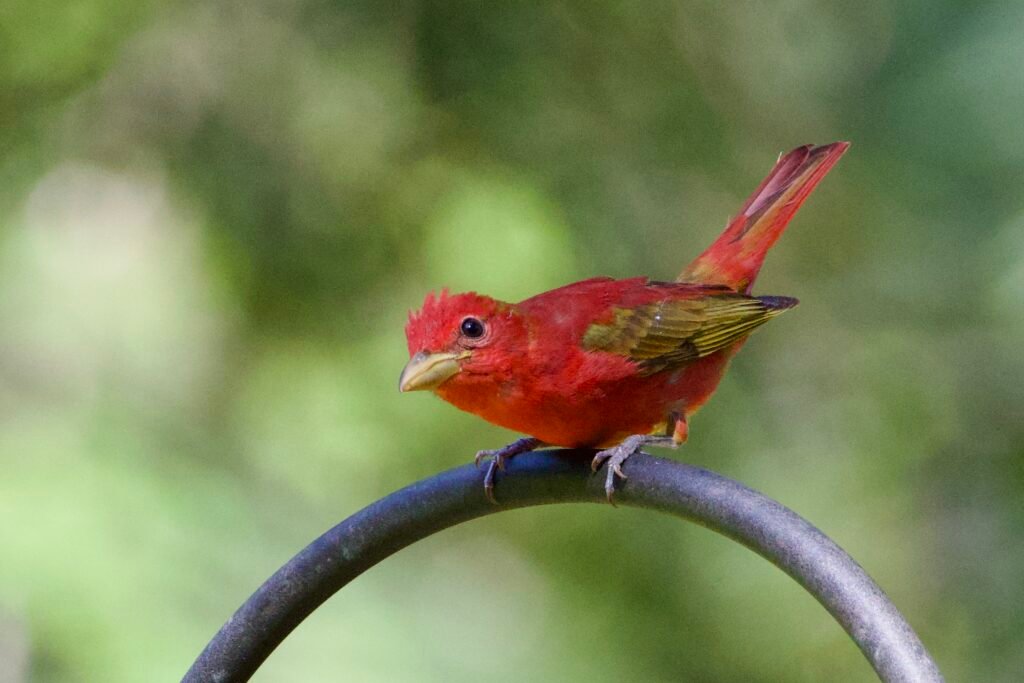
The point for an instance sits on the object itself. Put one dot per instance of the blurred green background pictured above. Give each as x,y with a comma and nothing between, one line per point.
215,216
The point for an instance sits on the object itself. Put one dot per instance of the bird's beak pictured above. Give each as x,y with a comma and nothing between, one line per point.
429,370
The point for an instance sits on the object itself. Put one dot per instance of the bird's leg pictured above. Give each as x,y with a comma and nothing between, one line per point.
616,455
498,457
680,430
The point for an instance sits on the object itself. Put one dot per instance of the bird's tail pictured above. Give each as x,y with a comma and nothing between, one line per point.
735,258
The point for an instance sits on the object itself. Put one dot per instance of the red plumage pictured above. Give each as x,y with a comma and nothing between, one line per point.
593,362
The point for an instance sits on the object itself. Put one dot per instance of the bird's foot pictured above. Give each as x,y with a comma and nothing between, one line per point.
616,455
498,457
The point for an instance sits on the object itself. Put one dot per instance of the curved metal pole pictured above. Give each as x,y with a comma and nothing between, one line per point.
417,511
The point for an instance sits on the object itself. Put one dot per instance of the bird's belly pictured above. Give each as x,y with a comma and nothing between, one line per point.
601,414
579,422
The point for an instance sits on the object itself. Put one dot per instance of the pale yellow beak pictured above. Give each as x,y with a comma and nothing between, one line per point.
429,370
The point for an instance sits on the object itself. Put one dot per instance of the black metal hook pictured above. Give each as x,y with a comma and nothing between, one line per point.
545,477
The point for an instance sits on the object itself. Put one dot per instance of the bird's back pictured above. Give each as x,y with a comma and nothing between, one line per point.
610,357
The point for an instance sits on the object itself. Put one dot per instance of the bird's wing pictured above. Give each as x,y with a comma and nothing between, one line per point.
667,334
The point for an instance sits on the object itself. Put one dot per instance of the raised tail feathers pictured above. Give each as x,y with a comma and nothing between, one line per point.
735,258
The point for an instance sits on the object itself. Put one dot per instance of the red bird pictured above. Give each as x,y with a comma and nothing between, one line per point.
604,363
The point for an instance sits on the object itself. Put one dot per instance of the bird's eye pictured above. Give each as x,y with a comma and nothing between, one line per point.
472,328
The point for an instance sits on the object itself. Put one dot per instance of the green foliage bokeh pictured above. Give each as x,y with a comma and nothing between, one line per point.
215,217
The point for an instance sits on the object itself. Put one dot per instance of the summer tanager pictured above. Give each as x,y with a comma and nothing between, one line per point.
604,363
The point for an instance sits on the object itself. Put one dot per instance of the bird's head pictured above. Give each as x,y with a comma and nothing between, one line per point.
456,339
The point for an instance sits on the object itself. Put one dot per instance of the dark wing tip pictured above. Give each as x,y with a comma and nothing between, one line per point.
778,303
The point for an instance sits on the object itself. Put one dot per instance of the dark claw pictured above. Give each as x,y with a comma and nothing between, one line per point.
609,487
489,481
498,457
617,455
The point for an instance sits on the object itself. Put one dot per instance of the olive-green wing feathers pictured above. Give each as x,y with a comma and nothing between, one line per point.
668,334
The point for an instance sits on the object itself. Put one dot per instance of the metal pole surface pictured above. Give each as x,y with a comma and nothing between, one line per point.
546,477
